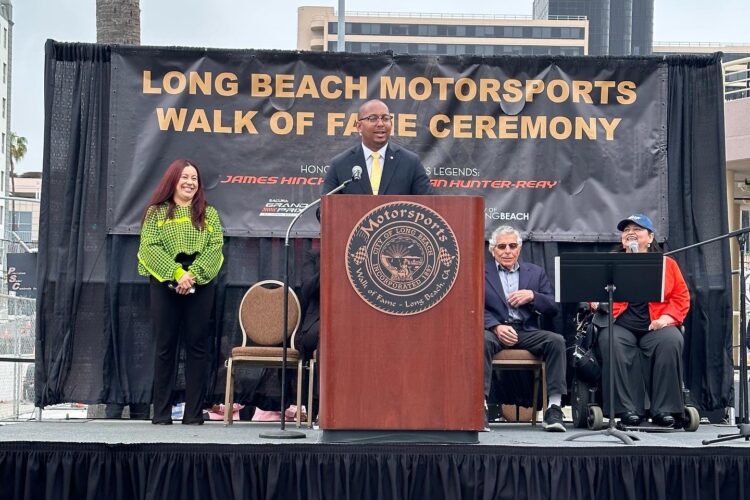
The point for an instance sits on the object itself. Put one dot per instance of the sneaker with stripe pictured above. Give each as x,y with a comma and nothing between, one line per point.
553,419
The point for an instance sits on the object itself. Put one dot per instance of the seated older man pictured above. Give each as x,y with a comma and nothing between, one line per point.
515,294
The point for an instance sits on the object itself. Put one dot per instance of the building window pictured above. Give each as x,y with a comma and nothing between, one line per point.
5,38
5,71
427,30
3,147
21,224
513,32
541,32
400,29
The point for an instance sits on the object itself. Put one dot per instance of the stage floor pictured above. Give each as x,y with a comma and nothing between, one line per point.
214,432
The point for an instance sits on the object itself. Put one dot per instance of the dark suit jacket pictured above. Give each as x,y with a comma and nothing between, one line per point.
403,172
531,277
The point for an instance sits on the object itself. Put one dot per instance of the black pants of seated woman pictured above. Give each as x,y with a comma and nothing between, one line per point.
647,370
175,317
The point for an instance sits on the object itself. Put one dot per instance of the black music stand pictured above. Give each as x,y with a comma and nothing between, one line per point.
609,277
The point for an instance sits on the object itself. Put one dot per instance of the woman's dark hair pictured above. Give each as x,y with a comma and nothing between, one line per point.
654,247
164,193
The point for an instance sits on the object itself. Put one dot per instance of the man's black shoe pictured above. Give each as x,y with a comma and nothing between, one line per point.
553,419
663,420
630,419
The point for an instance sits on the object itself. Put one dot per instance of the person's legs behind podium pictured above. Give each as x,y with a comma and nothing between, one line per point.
647,367
630,392
662,372
550,347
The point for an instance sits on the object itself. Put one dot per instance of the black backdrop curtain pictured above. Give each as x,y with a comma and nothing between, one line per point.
93,334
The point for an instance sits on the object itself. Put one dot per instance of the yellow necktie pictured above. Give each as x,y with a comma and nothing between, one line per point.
377,172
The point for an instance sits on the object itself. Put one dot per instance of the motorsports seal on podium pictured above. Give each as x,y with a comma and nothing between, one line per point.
402,258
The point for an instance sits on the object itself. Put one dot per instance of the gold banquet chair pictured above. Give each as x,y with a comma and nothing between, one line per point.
521,359
261,315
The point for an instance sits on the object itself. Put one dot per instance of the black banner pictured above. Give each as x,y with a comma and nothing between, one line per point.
559,148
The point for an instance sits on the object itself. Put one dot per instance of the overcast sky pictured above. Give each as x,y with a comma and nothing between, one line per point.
273,25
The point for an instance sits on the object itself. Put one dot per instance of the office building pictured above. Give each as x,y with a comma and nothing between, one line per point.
6,39
442,34
616,27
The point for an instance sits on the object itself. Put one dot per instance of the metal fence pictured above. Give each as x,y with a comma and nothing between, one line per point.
17,306
17,333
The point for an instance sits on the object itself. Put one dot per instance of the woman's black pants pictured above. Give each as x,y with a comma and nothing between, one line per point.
175,317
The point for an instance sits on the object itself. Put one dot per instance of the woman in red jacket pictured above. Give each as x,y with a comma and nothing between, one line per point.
648,341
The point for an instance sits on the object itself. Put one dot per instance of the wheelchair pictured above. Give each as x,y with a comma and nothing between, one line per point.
586,394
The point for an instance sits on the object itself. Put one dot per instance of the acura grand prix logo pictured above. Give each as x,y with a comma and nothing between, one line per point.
402,258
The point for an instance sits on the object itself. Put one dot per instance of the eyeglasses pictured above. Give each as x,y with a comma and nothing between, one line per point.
503,246
374,119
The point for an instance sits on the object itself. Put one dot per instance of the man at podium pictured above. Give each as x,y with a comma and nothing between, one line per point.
387,168
516,294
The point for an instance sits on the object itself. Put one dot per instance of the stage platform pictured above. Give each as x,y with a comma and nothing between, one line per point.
106,459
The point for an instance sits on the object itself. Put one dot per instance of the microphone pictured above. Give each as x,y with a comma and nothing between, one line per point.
356,176
356,173
633,246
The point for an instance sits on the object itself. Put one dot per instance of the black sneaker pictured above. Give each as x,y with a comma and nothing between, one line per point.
553,419
664,420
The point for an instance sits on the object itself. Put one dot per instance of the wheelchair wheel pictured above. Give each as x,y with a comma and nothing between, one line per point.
595,419
579,405
691,418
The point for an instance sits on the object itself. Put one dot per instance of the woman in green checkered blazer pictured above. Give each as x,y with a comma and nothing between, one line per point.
181,252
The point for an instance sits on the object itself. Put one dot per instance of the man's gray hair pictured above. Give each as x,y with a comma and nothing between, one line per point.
504,230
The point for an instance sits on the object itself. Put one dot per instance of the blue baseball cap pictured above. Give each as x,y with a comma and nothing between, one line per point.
639,219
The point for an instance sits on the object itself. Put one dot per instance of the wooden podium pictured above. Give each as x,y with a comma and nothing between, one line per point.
402,369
